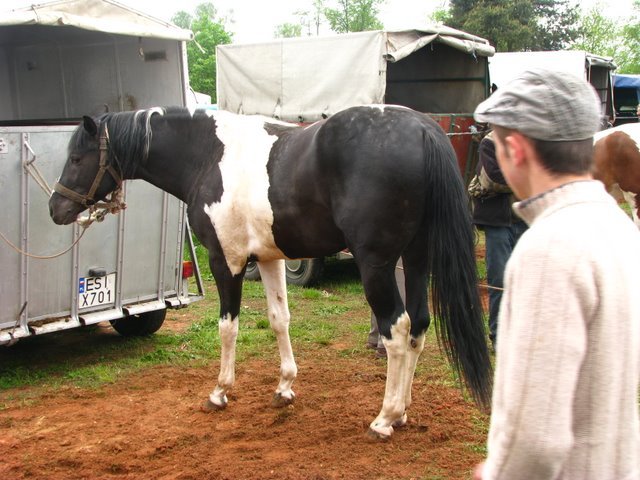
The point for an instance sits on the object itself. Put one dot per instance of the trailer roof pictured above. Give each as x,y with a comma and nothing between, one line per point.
626,81
106,16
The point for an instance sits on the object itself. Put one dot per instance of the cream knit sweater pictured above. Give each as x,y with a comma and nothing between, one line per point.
565,401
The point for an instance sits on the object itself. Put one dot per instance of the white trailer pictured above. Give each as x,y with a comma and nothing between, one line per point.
59,61
597,70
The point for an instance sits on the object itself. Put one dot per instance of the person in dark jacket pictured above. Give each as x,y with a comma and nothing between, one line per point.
492,213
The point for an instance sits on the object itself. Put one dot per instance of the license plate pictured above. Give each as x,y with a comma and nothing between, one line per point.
94,291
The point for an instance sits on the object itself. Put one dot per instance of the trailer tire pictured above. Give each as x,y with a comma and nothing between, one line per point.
252,272
305,272
140,325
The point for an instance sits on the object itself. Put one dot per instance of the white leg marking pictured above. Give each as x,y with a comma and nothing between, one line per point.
273,278
393,405
416,345
228,329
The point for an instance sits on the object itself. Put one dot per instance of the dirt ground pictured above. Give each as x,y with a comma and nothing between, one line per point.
148,425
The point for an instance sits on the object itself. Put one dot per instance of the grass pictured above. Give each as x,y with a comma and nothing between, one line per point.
88,357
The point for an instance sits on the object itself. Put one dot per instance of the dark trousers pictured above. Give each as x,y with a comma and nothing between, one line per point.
499,243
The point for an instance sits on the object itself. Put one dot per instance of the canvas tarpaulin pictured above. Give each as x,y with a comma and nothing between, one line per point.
305,79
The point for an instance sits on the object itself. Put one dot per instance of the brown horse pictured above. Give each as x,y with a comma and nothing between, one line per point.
617,164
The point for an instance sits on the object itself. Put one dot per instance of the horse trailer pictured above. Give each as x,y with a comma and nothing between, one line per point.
436,70
595,69
58,62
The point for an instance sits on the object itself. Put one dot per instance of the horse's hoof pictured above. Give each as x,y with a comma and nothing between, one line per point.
380,434
208,406
279,401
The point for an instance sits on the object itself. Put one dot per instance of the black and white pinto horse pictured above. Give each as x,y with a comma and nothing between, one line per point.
381,181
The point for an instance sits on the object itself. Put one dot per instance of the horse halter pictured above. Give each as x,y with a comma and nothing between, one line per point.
114,202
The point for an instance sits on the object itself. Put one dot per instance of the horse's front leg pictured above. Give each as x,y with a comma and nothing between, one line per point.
230,292
632,199
274,281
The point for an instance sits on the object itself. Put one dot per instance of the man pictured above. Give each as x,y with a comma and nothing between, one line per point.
492,213
565,400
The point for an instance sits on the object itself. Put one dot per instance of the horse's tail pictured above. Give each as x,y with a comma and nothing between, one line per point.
455,298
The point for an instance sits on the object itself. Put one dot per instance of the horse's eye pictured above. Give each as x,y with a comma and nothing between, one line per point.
75,158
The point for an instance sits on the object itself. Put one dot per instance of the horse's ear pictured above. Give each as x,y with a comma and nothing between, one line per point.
90,126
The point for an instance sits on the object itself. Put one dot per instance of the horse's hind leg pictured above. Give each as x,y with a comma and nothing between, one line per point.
274,281
394,326
230,291
415,272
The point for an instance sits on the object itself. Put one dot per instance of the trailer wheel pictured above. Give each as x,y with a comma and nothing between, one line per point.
305,272
140,325
252,272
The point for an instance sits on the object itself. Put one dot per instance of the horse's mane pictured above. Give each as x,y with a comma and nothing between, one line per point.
129,136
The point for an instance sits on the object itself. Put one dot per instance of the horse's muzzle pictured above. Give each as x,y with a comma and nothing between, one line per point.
62,210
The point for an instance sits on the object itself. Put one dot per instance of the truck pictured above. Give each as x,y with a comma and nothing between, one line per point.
437,70
58,62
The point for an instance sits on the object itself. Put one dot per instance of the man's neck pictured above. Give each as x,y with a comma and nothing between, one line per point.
543,181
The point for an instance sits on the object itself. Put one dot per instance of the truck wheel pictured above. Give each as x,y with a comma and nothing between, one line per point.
305,272
252,272
140,325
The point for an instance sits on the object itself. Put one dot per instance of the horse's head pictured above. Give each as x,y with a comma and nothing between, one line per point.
87,176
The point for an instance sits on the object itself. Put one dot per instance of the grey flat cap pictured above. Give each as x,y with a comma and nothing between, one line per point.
545,105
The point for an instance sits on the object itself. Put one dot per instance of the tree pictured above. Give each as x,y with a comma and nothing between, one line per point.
617,39
209,30
517,25
354,16
311,19
597,34
288,30
629,61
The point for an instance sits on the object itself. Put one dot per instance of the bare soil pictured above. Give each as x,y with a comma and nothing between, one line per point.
148,425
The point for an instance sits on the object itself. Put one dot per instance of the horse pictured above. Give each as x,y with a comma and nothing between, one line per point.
381,181
616,163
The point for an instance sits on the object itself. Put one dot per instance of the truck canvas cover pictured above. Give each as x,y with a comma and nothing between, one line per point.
309,78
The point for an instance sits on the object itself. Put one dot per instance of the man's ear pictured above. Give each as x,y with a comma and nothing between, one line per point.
517,146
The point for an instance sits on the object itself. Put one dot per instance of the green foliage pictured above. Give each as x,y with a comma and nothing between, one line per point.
603,36
354,16
288,30
209,31
629,58
517,25
597,34
311,19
